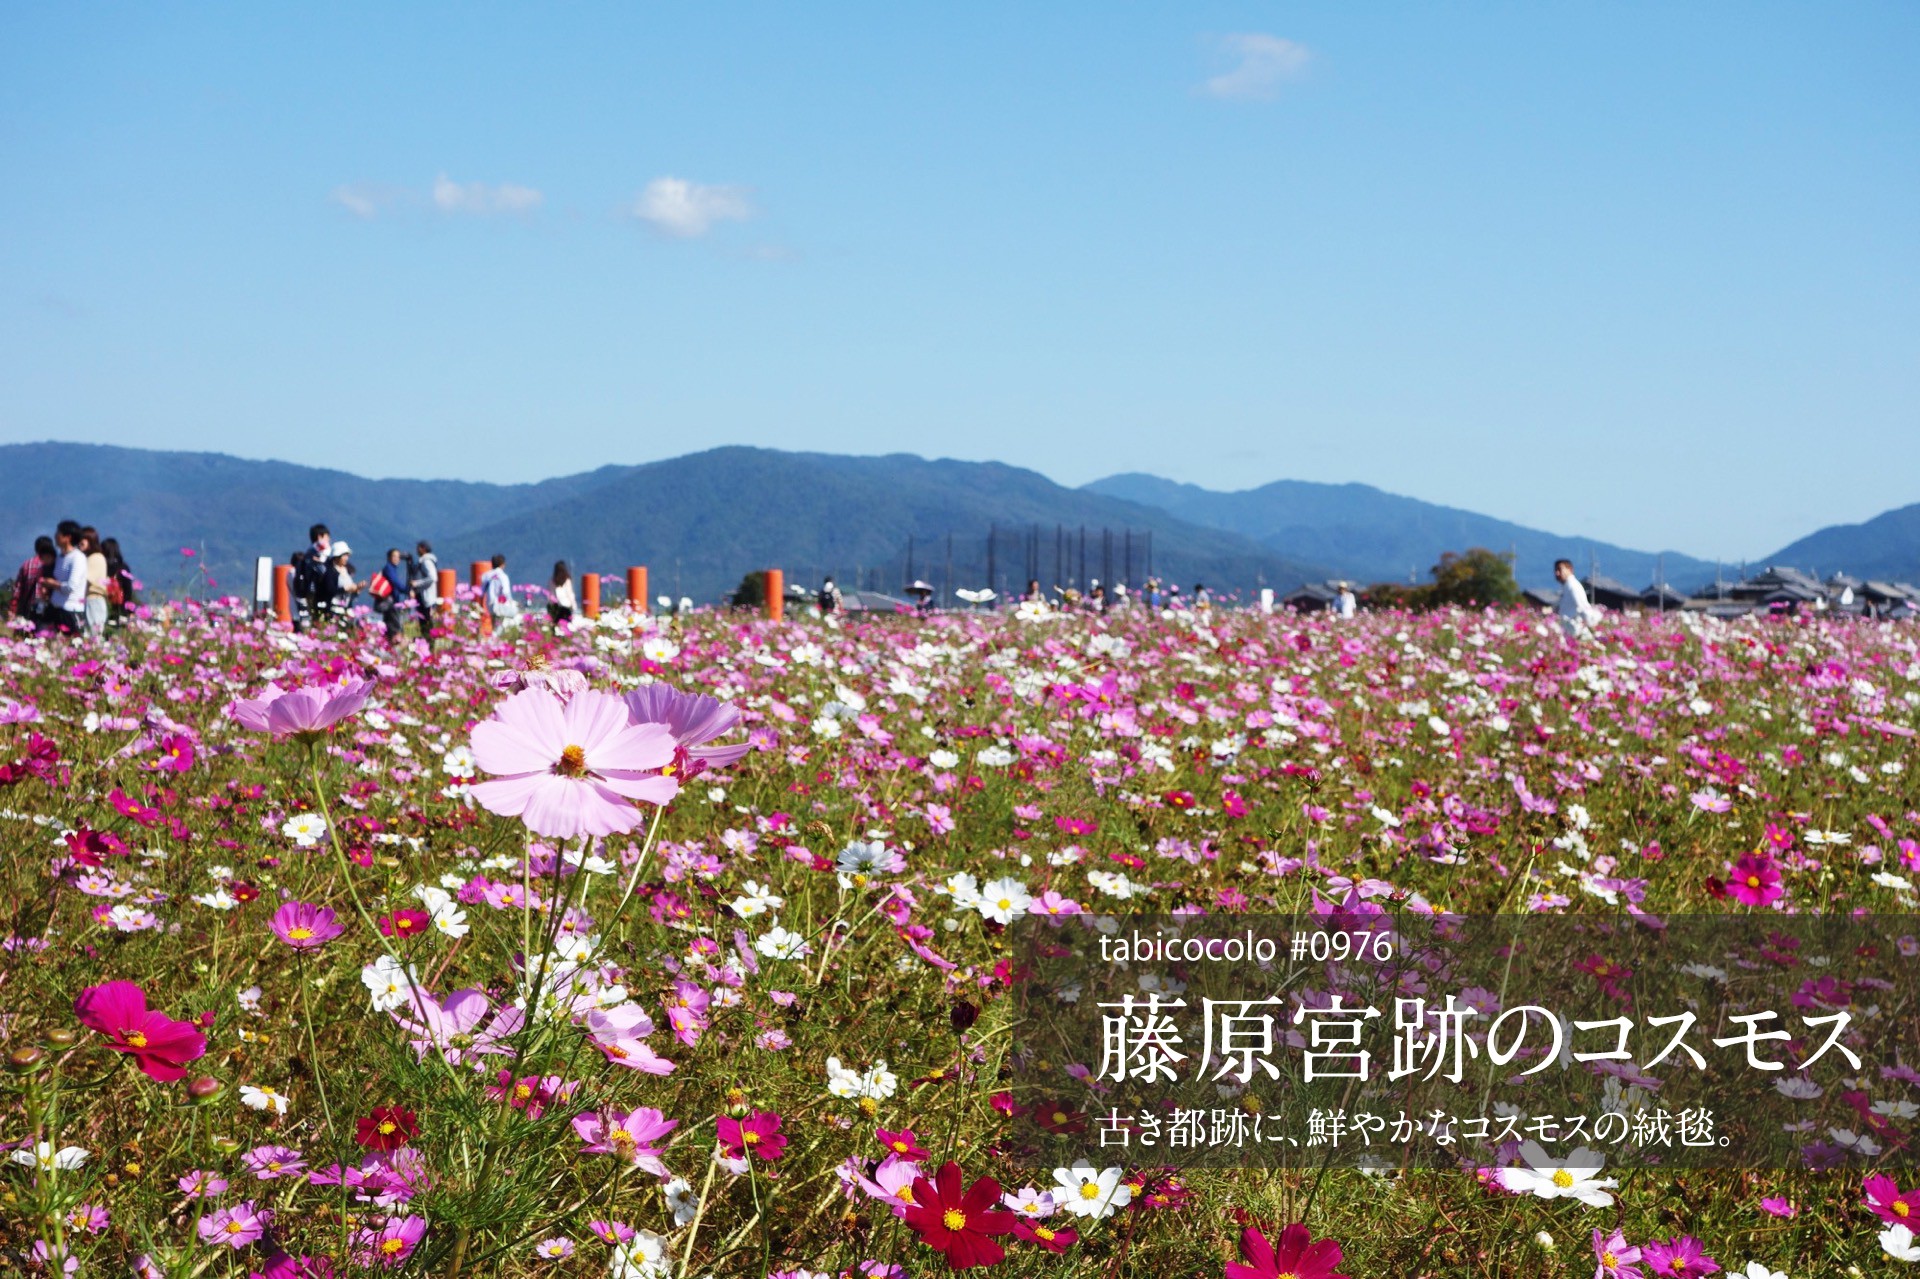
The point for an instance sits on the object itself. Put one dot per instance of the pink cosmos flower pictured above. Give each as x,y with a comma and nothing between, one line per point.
892,1183
628,1136
621,1032
571,768
694,719
201,1184
269,1162
304,926
159,1045
301,712
1889,1203
1615,1258
281,1265
453,1024
390,1245
1777,1206
758,1134
236,1226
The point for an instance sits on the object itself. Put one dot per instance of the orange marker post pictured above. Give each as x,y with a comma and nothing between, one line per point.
475,571
590,594
637,588
283,593
449,587
776,594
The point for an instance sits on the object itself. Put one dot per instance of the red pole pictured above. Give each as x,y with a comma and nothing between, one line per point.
449,587
283,593
637,588
776,594
590,594
475,571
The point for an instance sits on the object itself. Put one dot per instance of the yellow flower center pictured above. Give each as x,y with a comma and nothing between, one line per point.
387,1127
1900,1208
521,1092
1753,881
904,1194
573,761
1562,1178
749,1138
299,934
902,1147
1060,1116
274,1166
1006,903
234,1227
1089,1190
953,1219
1043,1234
391,1246
136,1040
1609,1260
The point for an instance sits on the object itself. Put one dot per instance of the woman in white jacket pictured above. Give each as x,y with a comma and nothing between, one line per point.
1577,616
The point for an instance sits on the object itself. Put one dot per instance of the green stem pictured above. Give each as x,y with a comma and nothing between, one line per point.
313,1049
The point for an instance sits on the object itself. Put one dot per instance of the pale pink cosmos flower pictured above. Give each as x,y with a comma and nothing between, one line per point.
629,1136
620,1032
694,719
301,712
453,1024
574,767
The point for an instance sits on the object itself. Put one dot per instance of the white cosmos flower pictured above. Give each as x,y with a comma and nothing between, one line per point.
305,829
756,899
1755,1270
964,889
265,1097
944,759
1094,1193
681,1200
65,1159
994,757
1897,1242
879,1083
658,648
458,763
446,912
389,982
642,1257
1577,1178
1004,900
218,899
782,943
841,1082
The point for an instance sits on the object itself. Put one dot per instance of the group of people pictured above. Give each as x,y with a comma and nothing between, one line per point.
326,586
75,582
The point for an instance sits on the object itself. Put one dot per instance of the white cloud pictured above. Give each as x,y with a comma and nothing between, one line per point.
687,209
477,197
1265,63
364,199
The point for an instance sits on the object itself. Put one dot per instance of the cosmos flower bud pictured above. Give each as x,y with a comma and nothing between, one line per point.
25,1059
60,1037
205,1088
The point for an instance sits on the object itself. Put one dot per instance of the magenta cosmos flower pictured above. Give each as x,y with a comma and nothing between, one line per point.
305,926
453,1025
1296,1253
158,1044
235,1227
694,719
758,1134
301,712
390,1245
569,768
1755,881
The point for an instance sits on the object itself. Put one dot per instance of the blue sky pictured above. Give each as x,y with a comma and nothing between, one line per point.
1644,272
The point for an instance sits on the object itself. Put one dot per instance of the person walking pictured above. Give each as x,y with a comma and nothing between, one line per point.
345,588
389,589
1577,616
829,601
425,579
560,604
496,589
32,582
1344,604
314,581
67,603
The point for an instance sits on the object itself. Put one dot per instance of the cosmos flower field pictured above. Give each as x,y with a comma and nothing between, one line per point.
662,948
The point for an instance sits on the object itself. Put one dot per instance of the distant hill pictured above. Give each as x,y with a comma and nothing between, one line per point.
1885,547
1372,536
699,522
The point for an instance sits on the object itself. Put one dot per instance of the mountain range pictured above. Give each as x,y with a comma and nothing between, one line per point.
701,521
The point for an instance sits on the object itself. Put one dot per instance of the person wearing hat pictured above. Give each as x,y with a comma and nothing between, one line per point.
346,590
922,594
1344,603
